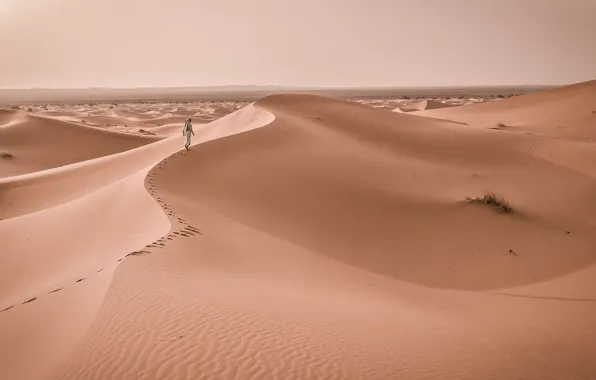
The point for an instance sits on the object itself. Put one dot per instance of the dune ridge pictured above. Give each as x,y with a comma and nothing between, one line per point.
308,237
548,106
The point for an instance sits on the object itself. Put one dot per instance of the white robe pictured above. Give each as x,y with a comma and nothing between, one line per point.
187,132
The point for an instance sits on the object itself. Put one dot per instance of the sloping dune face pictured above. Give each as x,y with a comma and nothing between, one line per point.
39,143
561,121
553,106
321,180
336,242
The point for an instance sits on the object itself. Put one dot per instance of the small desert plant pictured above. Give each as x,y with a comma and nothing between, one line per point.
5,155
492,200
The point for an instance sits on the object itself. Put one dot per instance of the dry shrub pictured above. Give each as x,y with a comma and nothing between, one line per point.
493,200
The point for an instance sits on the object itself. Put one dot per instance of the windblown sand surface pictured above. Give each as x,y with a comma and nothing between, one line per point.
302,237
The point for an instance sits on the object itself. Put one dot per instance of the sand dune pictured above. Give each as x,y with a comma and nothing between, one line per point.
550,106
99,243
422,105
38,143
134,117
305,237
561,123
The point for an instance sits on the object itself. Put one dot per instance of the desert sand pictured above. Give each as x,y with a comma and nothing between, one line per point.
301,237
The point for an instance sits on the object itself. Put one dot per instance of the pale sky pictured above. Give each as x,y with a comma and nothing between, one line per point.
138,43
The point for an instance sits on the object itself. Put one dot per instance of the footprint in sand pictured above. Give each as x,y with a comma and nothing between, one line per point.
31,300
81,280
55,290
8,308
138,253
194,229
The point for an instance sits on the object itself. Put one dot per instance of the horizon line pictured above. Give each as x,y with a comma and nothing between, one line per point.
283,87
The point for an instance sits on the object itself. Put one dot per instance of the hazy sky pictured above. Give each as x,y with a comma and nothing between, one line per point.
132,43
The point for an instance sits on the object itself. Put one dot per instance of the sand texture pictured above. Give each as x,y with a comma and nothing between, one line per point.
301,237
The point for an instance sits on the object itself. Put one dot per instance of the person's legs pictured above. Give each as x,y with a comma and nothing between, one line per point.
187,140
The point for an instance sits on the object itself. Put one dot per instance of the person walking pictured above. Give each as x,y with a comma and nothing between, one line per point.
187,132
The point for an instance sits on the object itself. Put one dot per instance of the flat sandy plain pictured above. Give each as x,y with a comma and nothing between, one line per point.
301,237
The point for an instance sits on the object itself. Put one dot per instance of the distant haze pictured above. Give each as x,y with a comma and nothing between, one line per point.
139,43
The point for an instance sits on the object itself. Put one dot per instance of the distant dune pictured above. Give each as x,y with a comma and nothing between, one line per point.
239,93
38,143
545,106
422,105
301,237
